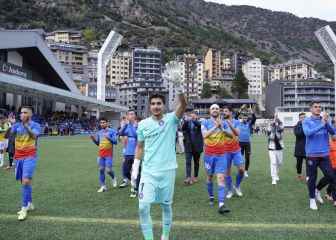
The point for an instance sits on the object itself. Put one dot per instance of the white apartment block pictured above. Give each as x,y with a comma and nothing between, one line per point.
226,63
254,72
296,69
193,75
65,36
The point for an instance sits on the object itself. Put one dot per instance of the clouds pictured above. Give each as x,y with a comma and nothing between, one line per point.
324,9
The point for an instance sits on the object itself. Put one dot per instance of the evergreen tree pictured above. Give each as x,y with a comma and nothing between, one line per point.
223,93
89,35
240,85
206,91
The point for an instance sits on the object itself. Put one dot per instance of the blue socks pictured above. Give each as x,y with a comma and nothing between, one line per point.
146,221
210,190
228,180
26,195
221,194
102,177
239,179
167,218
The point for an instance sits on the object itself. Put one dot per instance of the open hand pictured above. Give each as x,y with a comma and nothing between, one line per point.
11,119
218,123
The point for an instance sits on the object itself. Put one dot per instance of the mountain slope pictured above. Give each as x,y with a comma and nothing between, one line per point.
177,25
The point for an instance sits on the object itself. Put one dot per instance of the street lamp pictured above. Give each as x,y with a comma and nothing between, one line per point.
327,38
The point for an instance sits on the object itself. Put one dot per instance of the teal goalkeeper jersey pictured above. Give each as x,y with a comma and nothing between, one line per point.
159,139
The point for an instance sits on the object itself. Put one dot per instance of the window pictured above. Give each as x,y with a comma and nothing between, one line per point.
3,56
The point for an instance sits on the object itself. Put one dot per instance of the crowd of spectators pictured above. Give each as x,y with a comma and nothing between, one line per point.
62,123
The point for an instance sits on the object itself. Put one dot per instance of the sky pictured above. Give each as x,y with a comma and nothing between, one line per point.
323,9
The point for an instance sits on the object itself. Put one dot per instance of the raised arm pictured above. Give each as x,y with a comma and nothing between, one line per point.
181,106
298,130
122,131
207,132
234,130
309,131
95,139
330,129
33,132
113,137
253,119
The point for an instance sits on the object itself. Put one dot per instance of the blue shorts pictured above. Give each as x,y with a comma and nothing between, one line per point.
234,157
157,187
25,168
214,164
105,162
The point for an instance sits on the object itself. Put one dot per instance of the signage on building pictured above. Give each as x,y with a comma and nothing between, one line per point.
13,70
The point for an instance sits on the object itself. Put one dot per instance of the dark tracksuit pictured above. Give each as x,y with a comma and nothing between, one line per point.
317,150
300,144
11,147
193,145
129,131
245,130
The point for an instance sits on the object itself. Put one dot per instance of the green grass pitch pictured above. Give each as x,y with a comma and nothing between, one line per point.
68,206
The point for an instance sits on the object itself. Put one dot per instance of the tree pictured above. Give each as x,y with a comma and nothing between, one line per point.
223,93
206,91
89,35
240,85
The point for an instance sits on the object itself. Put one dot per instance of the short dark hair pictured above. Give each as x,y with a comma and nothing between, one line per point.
316,101
132,110
302,113
227,107
103,119
156,95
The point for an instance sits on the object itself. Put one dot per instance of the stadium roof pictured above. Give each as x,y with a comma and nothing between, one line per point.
31,43
223,101
22,85
60,87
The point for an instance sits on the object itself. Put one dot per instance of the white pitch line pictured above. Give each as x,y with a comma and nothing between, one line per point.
178,223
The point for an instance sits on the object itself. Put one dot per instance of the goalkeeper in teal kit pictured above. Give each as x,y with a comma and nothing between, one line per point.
156,143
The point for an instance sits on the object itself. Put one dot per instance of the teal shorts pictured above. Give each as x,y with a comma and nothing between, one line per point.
157,187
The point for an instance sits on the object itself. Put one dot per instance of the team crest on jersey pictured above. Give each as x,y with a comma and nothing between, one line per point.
161,123
141,195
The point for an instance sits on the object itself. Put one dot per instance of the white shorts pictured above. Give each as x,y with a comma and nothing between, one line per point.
3,144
